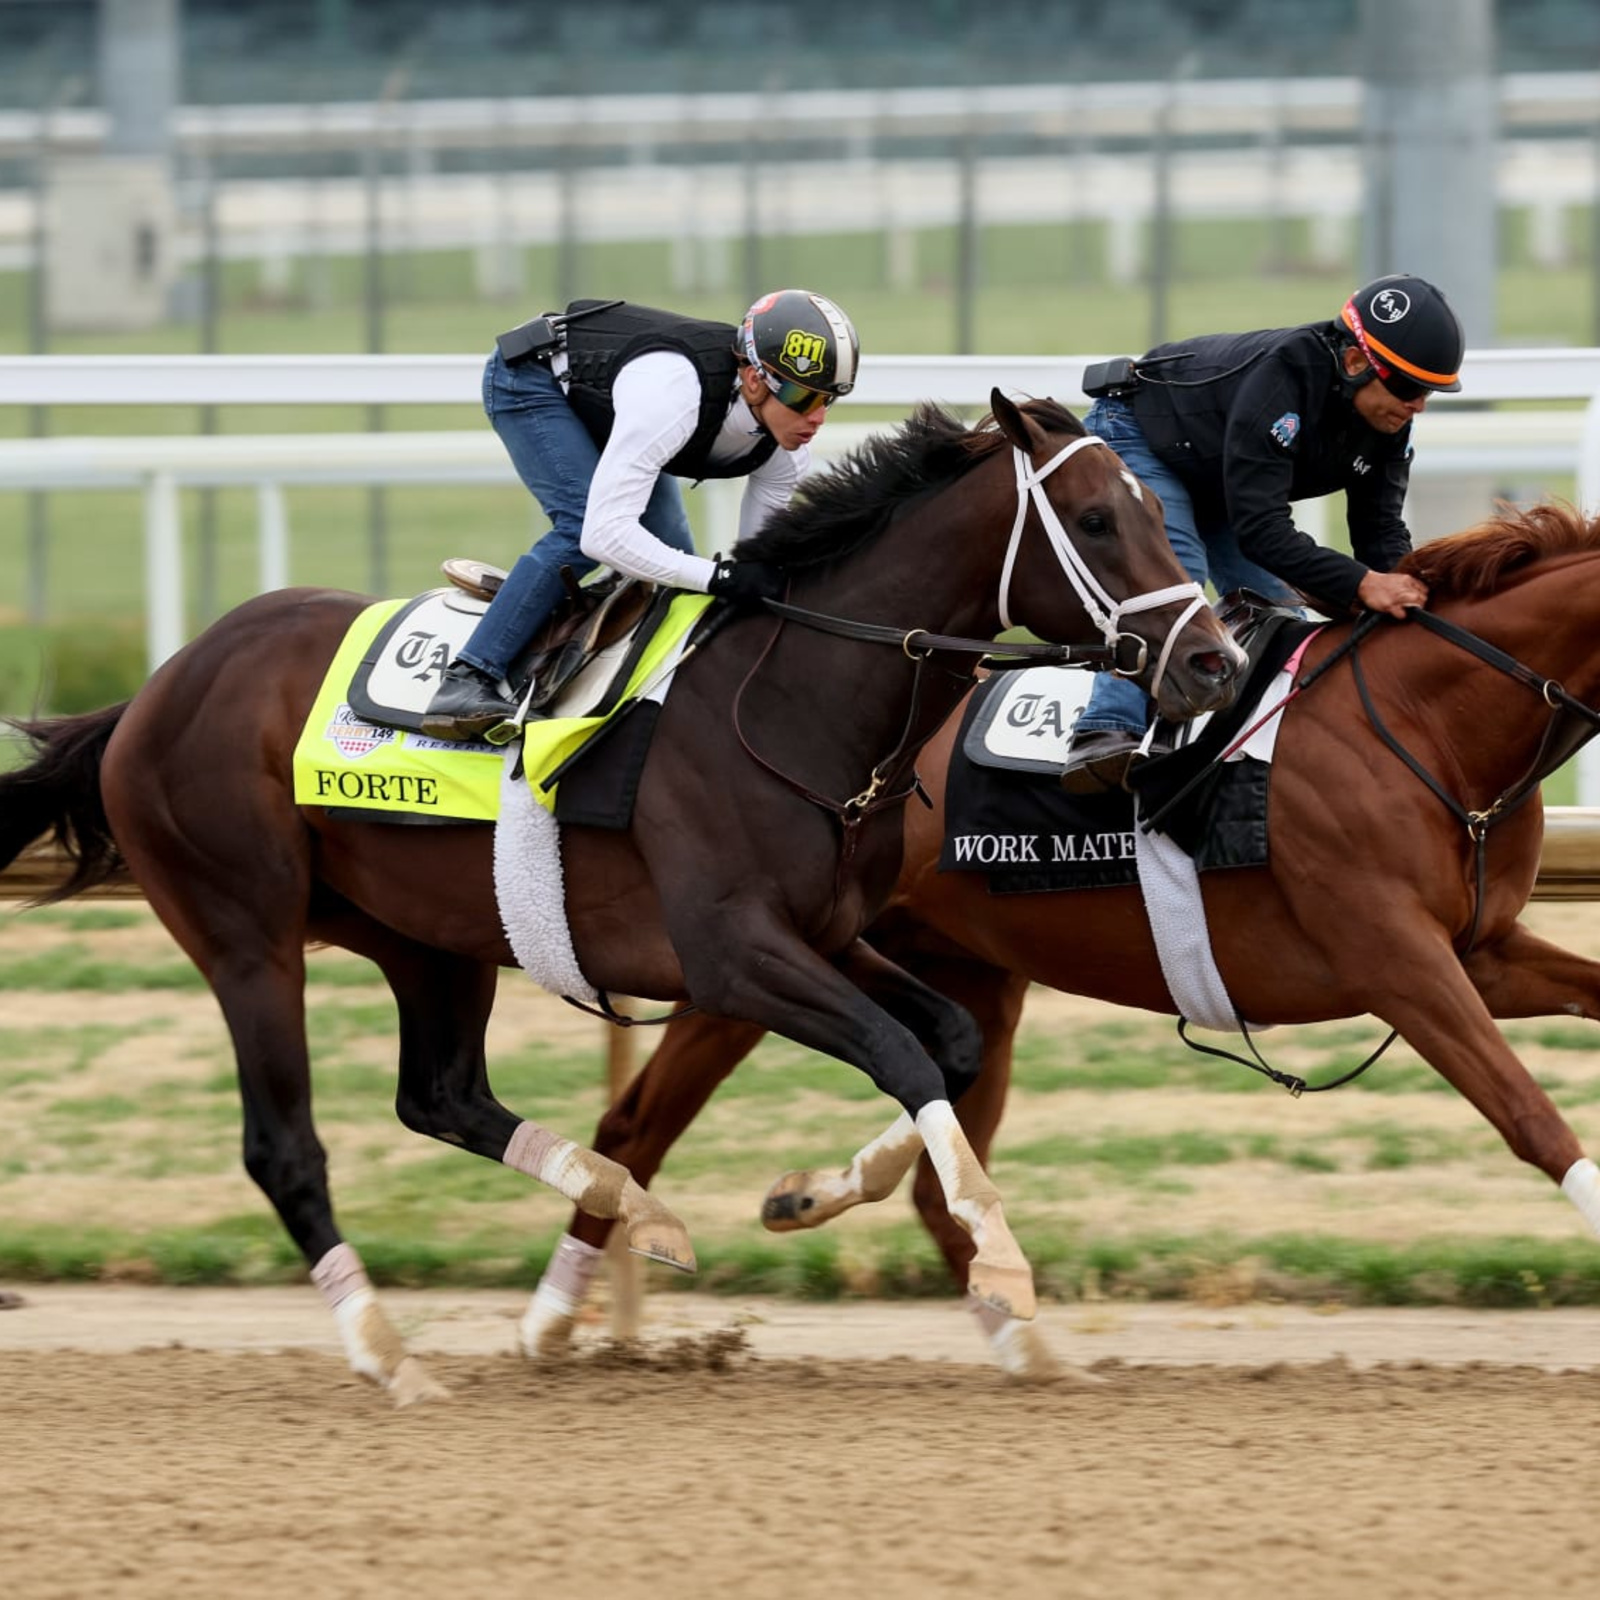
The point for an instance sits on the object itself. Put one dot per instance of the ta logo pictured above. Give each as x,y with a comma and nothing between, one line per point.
422,654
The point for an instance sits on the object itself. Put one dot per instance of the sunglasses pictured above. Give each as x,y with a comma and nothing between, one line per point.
796,396
1402,388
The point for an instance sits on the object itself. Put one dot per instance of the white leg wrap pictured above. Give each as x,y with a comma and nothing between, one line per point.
945,1143
548,1322
1582,1187
565,1284
370,1345
1018,1346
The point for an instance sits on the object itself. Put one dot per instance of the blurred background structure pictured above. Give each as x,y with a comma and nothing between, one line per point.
405,176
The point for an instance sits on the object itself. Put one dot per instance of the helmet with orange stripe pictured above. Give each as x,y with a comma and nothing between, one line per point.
1411,338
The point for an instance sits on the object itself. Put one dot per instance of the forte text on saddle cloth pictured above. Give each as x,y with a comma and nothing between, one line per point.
343,760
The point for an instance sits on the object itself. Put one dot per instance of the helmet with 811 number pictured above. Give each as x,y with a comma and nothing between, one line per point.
1409,334
803,345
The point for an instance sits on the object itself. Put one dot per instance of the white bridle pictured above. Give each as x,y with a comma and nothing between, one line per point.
1103,611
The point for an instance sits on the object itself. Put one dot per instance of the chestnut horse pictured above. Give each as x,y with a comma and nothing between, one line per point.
1373,900
765,836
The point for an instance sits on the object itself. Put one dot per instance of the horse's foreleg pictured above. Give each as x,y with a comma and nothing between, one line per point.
943,1026
789,988
444,1003
808,1199
695,1054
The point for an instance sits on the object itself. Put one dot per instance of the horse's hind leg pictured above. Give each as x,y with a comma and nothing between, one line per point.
1522,975
444,1002
244,926
1443,1014
695,1054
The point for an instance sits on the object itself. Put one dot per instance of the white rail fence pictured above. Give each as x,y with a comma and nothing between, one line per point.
1459,436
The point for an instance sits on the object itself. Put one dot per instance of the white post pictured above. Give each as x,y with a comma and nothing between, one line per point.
272,536
163,568
1589,504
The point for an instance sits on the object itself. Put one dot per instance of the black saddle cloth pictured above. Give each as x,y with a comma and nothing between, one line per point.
1028,836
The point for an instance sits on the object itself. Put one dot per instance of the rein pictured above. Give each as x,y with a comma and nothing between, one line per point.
1572,724
917,642
920,645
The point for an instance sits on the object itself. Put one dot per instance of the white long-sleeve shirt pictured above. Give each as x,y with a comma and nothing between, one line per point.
656,401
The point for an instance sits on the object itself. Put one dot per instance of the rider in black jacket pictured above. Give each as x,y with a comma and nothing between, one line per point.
1229,429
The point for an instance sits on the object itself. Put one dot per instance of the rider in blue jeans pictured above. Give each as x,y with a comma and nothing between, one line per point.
1229,429
602,411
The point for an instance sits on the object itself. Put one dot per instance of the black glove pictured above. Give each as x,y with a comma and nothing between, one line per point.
747,583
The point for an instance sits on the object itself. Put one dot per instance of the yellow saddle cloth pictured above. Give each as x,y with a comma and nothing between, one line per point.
346,761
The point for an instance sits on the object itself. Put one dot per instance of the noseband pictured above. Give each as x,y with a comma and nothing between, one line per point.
1104,612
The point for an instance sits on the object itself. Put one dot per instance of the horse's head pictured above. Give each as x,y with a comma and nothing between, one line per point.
1088,537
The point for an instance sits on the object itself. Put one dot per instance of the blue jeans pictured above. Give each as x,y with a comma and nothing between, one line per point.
1118,704
554,455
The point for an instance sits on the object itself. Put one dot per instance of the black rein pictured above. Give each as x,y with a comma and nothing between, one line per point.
1571,725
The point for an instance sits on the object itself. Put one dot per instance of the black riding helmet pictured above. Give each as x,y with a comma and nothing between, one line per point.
1407,331
804,346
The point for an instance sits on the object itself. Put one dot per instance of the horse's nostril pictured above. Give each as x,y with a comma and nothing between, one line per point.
1214,664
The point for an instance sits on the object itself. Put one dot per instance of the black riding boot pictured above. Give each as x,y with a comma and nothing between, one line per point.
466,705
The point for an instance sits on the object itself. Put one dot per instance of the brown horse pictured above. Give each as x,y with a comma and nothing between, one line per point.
1373,900
765,836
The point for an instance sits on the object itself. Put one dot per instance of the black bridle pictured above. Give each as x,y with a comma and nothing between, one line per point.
1572,724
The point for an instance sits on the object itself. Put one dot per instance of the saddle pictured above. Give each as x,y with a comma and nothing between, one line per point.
590,618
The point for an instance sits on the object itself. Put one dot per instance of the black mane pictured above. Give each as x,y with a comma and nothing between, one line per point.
834,511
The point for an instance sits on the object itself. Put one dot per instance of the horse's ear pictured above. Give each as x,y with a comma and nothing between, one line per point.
1019,428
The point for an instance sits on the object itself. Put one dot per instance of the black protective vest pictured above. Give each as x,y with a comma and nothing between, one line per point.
598,346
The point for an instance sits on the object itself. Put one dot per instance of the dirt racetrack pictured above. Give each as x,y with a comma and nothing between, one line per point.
156,1444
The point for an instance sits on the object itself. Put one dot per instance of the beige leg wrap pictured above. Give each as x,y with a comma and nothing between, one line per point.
591,1182
339,1274
371,1344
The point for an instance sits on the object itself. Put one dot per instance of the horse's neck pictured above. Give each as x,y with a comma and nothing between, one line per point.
936,566
1549,623
934,569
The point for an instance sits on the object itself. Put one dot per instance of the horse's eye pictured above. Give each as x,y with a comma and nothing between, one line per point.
1095,522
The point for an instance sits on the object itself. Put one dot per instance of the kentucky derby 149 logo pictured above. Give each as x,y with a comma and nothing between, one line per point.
354,738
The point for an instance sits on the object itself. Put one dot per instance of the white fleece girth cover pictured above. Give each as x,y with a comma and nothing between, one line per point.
528,889
1171,887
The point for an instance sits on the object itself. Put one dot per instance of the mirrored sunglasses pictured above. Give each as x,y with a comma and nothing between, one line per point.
796,396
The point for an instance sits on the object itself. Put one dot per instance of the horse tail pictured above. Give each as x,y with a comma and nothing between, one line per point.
59,791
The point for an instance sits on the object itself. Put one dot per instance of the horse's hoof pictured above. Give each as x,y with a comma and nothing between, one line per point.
412,1383
547,1338
663,1239
1008,1290
788,1206
1023,1355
